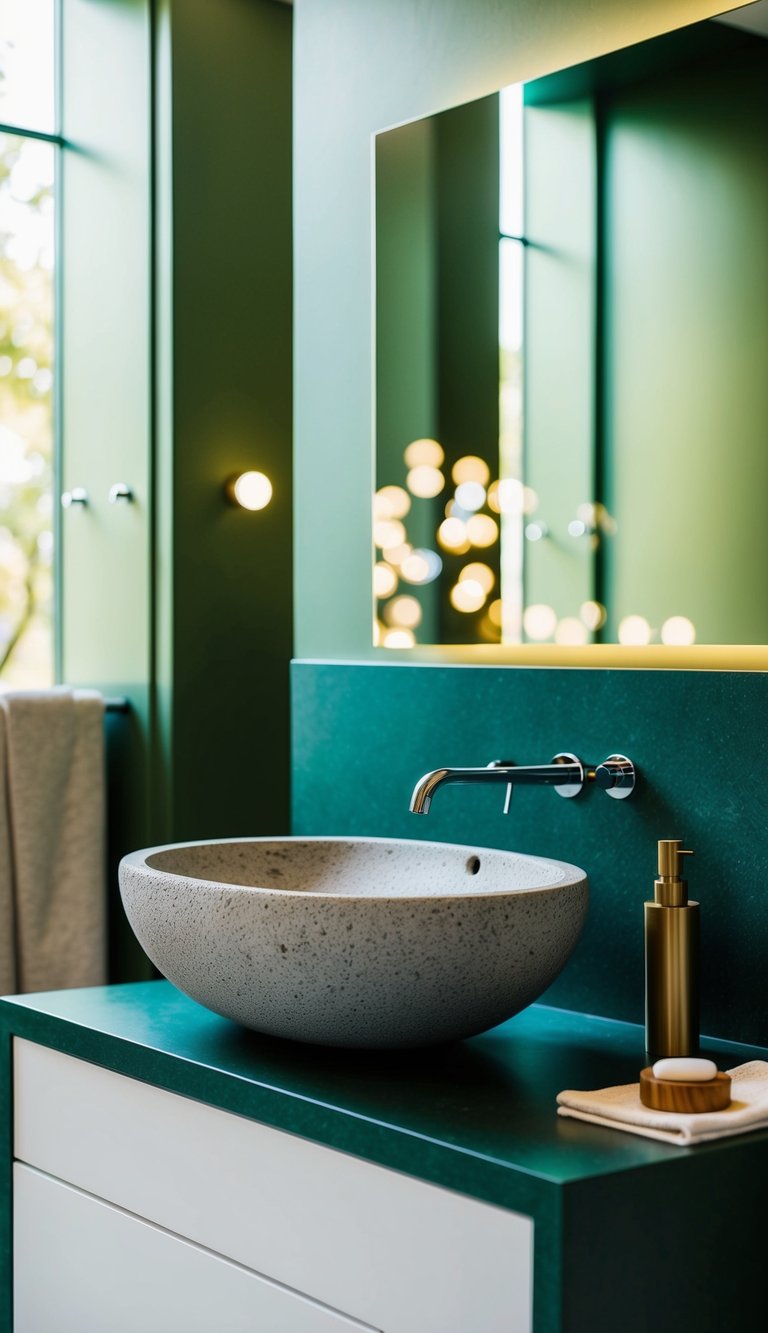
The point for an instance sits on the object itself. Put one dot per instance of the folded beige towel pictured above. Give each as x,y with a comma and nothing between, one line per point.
52,871
621,1108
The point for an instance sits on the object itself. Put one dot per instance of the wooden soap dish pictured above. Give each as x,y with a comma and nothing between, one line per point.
692,1098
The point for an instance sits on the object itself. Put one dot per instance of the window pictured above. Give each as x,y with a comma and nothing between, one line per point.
29,147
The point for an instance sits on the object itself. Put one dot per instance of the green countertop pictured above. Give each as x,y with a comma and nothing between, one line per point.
478,1115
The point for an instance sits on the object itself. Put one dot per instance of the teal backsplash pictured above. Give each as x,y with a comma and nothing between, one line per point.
363,735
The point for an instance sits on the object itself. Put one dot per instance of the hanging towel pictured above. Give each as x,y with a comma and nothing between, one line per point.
621,1108
52,879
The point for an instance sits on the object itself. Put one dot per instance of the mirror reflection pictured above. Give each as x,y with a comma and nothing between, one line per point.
572,342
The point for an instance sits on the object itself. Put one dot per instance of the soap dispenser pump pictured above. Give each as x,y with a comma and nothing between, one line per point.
671,960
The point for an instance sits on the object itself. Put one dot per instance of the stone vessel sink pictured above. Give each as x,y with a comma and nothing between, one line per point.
362,942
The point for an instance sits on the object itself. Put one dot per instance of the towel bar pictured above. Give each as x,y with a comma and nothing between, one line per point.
117,706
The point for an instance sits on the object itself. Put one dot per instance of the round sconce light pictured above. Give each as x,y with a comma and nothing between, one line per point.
249,490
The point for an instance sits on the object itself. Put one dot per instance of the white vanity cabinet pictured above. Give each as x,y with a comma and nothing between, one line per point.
140,1209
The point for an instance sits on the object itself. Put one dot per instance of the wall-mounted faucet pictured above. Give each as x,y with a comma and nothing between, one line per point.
566,773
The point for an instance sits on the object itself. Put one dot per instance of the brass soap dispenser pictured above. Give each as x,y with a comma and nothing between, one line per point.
671,960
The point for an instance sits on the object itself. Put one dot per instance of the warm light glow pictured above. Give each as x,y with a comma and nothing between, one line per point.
421,566
424,481
470,495
634,631
452,534
510,496
593,614
539,621
424,453
398,638
388,532
404,612
482,530
391,502
678,630
570,631
488,630
471,468
251,490
395,555
479,573
384,579
496,612
467,595
506,497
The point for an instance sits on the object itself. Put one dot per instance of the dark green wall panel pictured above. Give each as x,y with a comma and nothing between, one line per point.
224,576
363,735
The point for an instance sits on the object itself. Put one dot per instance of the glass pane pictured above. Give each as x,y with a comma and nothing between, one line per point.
26,430
26,64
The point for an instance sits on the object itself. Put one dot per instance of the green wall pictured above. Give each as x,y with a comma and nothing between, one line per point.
559,345
686,344
223,576
364,732
176,373
360,69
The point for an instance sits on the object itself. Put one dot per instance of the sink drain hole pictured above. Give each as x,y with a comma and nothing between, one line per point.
473,865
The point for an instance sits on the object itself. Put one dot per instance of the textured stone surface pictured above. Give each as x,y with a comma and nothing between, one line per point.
355,942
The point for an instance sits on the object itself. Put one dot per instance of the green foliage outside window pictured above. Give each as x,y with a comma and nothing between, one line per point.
26,433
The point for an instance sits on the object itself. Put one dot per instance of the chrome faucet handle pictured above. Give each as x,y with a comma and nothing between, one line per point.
504,763
570,789
616,775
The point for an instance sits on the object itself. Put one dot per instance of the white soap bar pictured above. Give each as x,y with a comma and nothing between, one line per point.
685,1069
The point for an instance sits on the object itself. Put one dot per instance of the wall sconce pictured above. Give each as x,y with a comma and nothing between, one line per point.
249,490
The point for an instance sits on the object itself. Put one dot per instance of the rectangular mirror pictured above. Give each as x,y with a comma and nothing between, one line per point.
572,342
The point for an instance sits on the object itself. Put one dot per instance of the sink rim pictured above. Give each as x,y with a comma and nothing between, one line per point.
572,875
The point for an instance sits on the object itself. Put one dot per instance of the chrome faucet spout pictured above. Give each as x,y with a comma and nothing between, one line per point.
567,774
565,771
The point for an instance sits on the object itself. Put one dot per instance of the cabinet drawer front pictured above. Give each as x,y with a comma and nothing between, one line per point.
391,1251
82,1266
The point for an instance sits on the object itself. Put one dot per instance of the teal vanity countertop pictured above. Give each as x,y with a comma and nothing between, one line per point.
477,1111
478,1117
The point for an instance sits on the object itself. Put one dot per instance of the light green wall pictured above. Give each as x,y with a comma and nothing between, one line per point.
105,317
105,402
559,345
686,347
358,69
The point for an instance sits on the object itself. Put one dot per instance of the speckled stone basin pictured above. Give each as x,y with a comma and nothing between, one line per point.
367,942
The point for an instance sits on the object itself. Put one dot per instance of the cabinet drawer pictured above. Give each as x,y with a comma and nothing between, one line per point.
83,1266
390,1251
